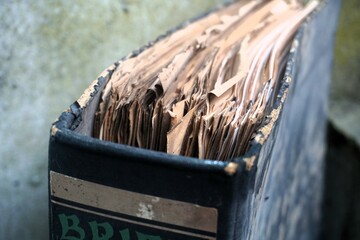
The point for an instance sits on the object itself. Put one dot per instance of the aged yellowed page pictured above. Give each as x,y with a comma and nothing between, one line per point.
203,90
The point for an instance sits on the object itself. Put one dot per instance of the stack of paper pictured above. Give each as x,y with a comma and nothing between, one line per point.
203,90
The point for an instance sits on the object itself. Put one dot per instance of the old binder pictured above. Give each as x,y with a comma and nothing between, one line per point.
201,134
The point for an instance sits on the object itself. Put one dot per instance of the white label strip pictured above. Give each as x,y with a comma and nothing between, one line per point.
133,204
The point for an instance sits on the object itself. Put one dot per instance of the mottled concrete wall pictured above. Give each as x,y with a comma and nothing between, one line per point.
345,96
49,52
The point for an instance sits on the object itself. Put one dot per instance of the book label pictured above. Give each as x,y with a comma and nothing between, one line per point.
87,210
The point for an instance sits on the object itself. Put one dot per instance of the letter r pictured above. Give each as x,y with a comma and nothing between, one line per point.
107,230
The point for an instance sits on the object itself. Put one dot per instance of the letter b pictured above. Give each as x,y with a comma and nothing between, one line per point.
70,229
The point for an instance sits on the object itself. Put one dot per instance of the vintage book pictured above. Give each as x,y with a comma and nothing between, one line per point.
213,131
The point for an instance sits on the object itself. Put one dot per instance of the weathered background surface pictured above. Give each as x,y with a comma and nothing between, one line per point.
345,96
51,50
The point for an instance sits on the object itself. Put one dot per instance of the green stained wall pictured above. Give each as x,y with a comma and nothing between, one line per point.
345,92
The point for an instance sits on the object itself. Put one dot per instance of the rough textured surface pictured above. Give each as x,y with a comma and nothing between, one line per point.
50,51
